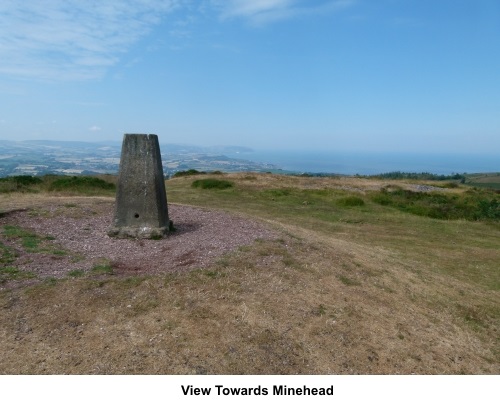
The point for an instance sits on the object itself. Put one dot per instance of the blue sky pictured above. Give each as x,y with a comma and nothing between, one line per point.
353,75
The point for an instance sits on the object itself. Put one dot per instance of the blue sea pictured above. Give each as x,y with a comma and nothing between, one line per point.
374,163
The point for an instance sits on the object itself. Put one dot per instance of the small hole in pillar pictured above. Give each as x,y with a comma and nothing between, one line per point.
136,215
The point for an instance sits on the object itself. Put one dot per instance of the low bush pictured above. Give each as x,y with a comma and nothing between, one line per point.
278,192
18,183
473,205
22,180
351,201
212,184
190,172
382,199
88,185
80,184
418,176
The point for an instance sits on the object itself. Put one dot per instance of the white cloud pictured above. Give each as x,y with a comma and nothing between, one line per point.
94,128
72,39
254,7
265,11
81,39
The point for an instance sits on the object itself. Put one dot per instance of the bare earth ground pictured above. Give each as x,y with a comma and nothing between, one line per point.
201,236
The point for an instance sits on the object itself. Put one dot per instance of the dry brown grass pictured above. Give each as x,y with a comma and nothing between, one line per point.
17,201
487,178
357,184
387,295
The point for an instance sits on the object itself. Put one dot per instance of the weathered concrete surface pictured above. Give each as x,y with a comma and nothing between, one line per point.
141,200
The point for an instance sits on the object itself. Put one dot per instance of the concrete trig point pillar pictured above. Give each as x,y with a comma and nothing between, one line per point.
141,201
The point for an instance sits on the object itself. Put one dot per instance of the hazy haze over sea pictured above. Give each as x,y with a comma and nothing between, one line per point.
374,163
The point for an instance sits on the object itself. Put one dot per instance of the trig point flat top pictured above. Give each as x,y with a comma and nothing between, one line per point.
141,200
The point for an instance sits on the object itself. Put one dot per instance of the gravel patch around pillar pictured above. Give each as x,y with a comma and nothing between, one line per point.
201,236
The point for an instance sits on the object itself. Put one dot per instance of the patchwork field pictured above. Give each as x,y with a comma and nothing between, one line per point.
490,180
266,274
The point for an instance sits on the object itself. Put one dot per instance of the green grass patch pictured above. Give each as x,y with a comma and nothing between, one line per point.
32,242
76,273
215,274
212,184
131,282
7,254
348,281
50,281
12,231
12,273
104,267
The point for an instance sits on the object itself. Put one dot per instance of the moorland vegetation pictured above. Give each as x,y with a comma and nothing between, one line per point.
367,275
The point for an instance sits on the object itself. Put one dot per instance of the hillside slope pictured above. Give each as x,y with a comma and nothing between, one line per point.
347,278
